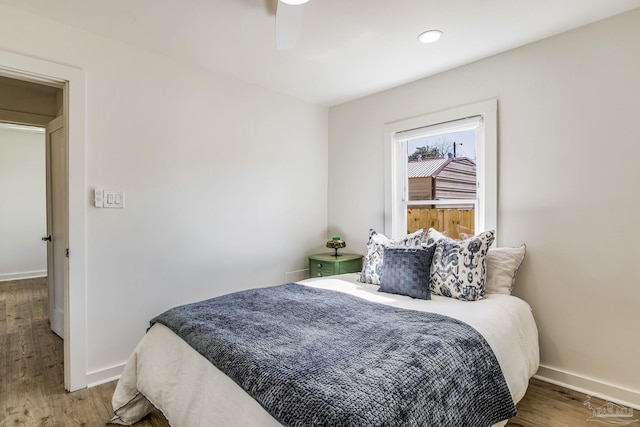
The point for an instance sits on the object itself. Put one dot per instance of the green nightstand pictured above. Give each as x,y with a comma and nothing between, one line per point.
321,265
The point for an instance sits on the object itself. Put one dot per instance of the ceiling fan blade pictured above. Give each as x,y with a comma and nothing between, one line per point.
288,25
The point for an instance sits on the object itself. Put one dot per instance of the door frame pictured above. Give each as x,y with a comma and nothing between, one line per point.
72,81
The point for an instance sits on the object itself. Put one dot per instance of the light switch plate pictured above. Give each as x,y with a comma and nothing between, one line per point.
113,199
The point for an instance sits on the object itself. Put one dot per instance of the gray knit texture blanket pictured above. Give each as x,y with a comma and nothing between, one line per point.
314,357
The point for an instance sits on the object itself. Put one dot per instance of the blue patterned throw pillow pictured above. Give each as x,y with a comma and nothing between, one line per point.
406,271
372,266
459,268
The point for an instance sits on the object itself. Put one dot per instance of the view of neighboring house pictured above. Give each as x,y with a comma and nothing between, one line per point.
442,178
452,178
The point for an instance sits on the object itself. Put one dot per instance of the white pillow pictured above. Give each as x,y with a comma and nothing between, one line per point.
372,266
502,267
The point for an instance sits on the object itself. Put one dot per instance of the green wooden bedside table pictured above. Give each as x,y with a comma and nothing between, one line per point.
321,265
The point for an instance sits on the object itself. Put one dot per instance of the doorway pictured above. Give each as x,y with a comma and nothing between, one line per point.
23,219
71,81
33,114
33,189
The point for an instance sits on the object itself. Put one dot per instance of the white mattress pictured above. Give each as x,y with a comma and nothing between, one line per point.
190,391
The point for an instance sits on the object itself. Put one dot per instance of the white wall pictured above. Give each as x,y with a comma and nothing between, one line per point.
225,183
23,204
568,172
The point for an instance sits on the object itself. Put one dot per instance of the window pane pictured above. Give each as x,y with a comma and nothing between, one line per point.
442,167
455,223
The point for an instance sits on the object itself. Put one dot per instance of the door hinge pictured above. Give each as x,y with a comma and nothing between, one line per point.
67,253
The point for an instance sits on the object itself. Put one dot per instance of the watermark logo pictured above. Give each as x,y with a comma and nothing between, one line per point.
611,413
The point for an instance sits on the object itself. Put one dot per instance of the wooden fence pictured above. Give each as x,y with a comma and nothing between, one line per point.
455,223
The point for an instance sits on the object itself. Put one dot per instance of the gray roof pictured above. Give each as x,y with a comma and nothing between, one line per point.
426,167
431,167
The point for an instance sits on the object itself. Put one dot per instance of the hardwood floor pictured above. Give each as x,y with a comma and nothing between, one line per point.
31,376
549,405
31,367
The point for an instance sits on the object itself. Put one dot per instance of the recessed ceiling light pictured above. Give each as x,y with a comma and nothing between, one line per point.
294,2
430,36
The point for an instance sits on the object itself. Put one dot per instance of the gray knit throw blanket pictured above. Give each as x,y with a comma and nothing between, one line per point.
314,357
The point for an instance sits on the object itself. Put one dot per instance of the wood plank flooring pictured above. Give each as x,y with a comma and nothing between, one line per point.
31,376
31,367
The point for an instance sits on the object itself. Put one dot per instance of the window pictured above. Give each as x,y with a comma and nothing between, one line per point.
441,171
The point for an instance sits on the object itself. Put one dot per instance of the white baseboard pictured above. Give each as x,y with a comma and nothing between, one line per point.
24,275
590,387
104,375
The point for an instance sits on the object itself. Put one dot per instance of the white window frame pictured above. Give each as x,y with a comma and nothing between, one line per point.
395,171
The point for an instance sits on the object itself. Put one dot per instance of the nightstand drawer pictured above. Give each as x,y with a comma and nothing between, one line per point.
321,269
322,265
320,273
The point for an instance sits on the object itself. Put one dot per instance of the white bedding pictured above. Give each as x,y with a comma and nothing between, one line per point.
190,391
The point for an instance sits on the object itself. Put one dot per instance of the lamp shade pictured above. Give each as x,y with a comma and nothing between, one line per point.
336,243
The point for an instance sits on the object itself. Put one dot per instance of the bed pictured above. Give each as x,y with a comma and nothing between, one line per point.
167,373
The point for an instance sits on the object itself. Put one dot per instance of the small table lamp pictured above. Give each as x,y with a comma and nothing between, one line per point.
336,244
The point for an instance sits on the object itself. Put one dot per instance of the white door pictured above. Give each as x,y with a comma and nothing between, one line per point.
57,222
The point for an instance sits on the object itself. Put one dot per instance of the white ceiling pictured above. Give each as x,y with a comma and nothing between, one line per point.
346,49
